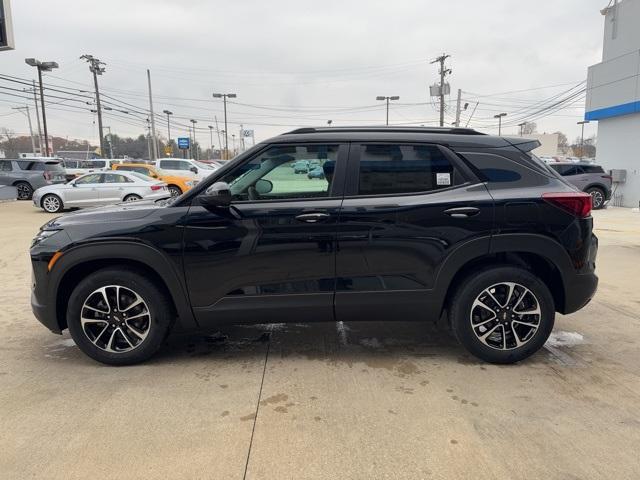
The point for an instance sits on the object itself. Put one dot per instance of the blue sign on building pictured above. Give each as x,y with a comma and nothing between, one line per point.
183,143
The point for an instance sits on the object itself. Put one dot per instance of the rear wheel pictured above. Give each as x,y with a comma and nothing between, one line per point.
51,203
175,190
597,197
117,316
25,191
502,314
132,198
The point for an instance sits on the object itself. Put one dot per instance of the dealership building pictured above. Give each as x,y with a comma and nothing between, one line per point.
613,99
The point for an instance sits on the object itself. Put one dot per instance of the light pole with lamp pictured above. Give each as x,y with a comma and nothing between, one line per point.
381,97
224,97
42,67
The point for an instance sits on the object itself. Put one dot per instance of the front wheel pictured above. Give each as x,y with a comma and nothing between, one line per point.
502,314
51,203
118,317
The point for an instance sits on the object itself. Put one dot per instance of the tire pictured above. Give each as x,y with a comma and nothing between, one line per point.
25,191
132,198
120,341
529,336
597,197
175,190
51,203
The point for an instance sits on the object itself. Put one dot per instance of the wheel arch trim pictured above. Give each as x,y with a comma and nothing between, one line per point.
118,251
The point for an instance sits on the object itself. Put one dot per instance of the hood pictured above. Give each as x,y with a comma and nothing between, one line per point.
120,212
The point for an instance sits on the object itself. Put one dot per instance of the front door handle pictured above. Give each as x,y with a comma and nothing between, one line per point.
313,217
462,212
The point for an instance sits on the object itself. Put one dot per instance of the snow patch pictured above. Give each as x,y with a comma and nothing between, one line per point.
565,339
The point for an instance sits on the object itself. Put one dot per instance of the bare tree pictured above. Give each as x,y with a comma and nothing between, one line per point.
563,143
529,127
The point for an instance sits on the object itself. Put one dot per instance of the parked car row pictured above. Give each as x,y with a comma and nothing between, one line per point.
55,184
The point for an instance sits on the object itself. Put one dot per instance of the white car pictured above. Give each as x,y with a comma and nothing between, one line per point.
80,167
98,189
186,167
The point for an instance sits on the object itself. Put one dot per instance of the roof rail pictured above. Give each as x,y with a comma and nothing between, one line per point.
446,130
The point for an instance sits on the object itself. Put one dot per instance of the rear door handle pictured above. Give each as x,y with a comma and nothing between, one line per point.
315,217
462,212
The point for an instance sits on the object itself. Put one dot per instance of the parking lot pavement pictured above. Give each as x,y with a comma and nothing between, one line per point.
360,400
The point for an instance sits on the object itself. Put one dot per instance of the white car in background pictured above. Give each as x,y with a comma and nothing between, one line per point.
186,167
99,189
80,167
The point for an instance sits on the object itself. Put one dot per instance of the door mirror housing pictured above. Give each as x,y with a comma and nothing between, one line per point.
217,196
263,186
194,170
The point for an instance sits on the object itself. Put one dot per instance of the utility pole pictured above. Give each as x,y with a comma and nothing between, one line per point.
443,73
582,137
153,122
42,67
224,97
499,117
215,117
382,97
458,108
97,68
33,141
211,139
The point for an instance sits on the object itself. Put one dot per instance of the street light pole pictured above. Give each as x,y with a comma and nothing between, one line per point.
168,114
35,102
193,122
521,125
42,67
382,97
582,137
499,117
224,97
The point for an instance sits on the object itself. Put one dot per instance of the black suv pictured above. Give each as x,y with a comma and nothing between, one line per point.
405,223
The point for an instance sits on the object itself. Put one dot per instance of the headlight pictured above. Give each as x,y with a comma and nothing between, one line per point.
42,235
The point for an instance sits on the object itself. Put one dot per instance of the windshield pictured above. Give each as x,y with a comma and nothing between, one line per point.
206,166
141,176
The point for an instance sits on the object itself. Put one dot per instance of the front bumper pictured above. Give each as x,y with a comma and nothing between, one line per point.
42,309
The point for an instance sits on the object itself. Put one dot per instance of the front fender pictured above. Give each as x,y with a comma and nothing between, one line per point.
124,251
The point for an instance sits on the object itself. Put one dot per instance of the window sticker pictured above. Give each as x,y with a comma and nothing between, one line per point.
443,178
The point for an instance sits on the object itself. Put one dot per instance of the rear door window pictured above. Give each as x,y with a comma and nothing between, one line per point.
592,169
5,165
387,169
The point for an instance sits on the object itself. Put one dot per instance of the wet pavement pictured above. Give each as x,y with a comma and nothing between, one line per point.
328,400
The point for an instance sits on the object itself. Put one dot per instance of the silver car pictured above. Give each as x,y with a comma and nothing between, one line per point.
98,189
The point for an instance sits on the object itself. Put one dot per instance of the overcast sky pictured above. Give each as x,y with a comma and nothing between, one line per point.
301,63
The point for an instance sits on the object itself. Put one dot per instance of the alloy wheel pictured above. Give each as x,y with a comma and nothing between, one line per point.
505,316
51,203
24,191
597,198
115,319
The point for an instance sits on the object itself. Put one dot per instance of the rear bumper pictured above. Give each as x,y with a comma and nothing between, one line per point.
579,291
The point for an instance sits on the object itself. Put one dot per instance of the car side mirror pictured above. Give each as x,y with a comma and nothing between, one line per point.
263,186
194,169
73,184
217,196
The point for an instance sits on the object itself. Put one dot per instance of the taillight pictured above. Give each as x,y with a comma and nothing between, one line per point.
608,177
47,175
156,187
576,203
